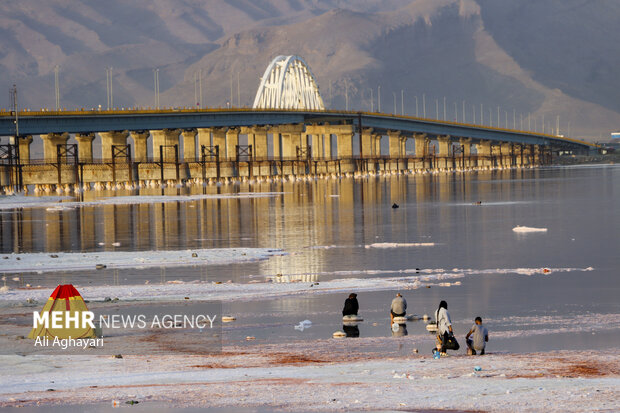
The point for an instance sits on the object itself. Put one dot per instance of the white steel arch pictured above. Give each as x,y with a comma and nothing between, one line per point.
288,83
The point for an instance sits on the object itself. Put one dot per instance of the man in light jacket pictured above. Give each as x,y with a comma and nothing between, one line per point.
398,307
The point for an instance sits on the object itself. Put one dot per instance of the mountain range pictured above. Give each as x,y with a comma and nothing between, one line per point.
532,59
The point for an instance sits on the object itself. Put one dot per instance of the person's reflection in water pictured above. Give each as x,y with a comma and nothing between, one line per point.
399,330
351,330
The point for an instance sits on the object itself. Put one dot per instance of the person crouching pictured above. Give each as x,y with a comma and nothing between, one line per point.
480,338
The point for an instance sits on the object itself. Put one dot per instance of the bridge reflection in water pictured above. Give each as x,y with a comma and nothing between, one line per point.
292,215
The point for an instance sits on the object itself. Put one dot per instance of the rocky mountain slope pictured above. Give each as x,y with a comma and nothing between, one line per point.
551,58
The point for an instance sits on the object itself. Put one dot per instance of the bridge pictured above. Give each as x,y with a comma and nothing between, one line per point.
287,131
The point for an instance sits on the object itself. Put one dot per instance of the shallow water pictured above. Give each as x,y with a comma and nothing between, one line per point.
326,226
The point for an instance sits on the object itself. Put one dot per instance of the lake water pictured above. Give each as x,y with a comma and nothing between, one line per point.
330,229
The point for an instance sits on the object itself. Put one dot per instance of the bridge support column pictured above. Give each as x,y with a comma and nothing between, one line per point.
394,138
290,139
517,151
327,144
232,140
366,150
419,140
394,141
189,145
164,137
537,154
257,137
140,145
316,131
85,146
49,144
466,143
496,150
483,150
445,151
204,138
24,148
111,138
219,139
317,145
506,158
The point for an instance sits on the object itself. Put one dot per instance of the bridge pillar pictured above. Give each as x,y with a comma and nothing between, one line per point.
445,151
204,138
419,140
483,150
538,154
49,144
111,138
24,148
290,139
164,137
140,142
366,150
219,139
344,139
189,145
517,150
506,150
466,143
327,143
420,144
85,146
394,143
257,137
316,131
232,140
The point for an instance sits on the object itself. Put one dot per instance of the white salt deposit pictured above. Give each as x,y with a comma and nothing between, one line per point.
72,261
521,229
399,245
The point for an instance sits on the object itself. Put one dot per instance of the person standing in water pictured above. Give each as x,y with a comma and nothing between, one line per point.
444,326
351,305
398,307
481,336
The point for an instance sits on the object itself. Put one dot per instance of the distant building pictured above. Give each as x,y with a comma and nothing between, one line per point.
614,144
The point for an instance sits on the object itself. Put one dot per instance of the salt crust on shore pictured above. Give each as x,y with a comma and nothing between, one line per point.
200,290
78,261
325,375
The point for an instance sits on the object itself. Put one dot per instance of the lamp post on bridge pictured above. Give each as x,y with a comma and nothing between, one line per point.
372,100
444,108
394,93
110,91
156,79
416,106
379,99
56,87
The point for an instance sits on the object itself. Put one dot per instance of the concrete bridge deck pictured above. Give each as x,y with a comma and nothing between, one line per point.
45,122
185,144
